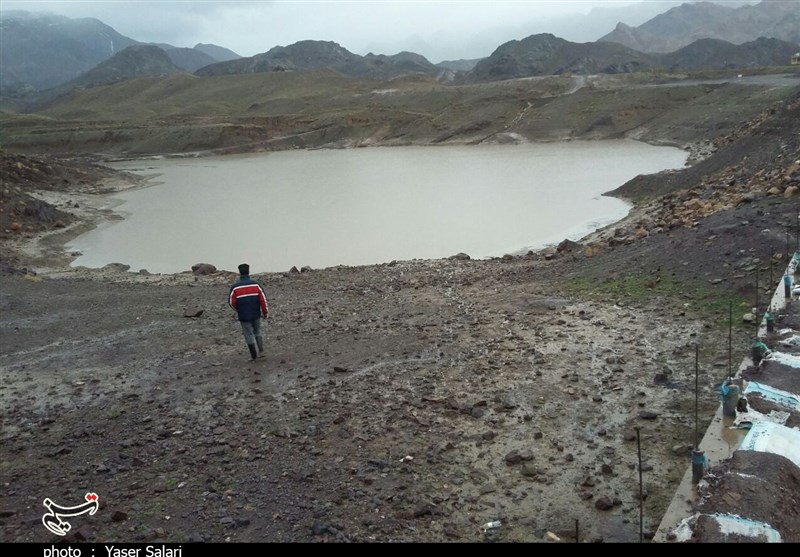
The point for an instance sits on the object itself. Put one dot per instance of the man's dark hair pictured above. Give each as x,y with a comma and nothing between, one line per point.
244,269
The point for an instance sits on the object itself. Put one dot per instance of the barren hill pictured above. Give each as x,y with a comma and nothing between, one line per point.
280,110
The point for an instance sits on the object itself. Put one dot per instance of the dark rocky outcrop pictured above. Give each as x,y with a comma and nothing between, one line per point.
546,54
315,55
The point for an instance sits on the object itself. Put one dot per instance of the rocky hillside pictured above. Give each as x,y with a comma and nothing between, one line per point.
135,61
682,25
283,110
546,54
40,51
314,55
536,55
719,54
758,161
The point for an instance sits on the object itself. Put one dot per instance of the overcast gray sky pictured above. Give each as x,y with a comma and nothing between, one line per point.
437,29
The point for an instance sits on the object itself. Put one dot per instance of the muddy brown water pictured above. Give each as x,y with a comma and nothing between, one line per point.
365,206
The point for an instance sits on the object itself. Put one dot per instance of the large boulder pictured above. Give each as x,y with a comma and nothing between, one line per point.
203,269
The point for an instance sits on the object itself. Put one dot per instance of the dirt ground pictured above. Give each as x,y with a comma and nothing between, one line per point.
407,403
453,400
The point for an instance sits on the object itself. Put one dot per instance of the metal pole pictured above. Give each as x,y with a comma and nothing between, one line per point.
696,391
757,312
641,490
698,458
787,244
730,341
771,254
577,532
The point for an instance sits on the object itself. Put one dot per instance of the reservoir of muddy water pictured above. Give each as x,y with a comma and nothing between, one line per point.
324,208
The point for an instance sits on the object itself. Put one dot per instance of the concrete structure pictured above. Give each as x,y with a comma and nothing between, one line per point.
746,429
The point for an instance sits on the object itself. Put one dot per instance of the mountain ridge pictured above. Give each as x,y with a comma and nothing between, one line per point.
42,50
27,63
684,24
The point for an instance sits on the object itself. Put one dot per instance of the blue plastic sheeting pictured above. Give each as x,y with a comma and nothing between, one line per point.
785,359
784,398
730,524
793,340
767,437
745,420
735,524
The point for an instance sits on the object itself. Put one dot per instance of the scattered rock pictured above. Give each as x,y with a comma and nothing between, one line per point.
604,503
513,458
568,245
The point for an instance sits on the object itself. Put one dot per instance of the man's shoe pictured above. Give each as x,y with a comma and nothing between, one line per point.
253,353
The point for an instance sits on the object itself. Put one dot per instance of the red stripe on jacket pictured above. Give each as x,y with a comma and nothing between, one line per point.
247,290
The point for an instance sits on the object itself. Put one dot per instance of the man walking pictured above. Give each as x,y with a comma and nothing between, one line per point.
250,303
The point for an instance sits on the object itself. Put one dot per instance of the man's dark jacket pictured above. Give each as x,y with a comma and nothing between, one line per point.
248,299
